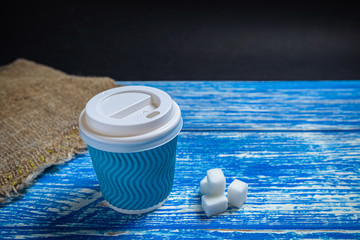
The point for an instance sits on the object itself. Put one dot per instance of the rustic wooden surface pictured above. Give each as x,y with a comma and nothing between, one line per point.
297,145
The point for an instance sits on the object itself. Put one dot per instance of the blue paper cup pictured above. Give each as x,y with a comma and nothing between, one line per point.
136,182
135,167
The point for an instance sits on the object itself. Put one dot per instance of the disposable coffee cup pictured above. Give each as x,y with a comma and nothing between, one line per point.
131,133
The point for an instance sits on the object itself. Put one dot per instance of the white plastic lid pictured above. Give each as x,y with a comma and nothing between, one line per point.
130,119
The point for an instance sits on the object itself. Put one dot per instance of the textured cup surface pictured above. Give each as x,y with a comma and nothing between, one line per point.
137,180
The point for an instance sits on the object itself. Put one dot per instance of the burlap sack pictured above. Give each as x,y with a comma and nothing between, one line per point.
39,109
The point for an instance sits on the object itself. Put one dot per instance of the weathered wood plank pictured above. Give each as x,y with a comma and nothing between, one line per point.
161,233
274,105
297,144
301,184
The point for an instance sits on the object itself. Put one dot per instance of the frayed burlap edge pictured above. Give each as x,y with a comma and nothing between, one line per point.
61,150
58,149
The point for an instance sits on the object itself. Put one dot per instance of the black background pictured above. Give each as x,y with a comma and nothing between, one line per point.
252,41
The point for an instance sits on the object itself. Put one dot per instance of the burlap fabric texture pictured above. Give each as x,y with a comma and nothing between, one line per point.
39,109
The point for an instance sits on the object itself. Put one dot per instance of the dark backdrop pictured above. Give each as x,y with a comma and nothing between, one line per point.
257,41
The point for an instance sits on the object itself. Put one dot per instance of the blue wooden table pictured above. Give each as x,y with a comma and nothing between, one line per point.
297,145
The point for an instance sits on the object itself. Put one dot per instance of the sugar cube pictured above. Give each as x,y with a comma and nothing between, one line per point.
216,181
214,204
204,186
237,192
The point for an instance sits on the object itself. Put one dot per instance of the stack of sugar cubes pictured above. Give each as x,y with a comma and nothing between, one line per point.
213,187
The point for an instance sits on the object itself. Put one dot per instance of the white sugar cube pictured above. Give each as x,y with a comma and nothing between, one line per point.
214,204
216,181
204,186
237,192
